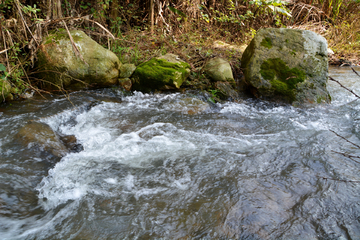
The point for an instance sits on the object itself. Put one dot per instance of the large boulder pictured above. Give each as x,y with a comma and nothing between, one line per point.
287,65
61,68
160,73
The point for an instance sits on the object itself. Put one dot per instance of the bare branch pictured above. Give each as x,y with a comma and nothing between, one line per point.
345,139
340,180
76,49
3,51
332,79
355,72
348,156
24,22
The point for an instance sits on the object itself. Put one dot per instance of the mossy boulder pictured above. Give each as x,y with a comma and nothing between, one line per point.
218,69
60,67
287,65
161,73
5,88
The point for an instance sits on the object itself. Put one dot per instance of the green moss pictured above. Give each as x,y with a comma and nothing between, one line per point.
318,100
4,89
60,35
266,42
159,74
283,79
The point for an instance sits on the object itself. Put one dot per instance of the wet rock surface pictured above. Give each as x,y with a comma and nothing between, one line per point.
37,134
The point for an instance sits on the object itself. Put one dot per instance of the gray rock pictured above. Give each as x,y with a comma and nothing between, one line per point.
218,69
61,68
160,73
287,65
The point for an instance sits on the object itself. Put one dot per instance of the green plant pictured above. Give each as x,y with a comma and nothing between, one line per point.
67,7
215,95
32,12
275,6
3,76
116,26
85,5
6,6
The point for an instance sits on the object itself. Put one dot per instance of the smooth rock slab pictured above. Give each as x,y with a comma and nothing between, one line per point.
287,65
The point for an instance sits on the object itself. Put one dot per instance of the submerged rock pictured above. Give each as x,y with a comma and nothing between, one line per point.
160,73
218,69
188,105
287,65
61,68
41,135
71,143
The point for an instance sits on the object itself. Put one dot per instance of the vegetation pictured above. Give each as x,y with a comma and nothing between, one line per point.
137,30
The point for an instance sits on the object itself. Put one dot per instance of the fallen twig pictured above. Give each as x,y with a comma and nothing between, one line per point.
3,51
340,180
355,72
101,26
348,156
345,139
332,79
76,49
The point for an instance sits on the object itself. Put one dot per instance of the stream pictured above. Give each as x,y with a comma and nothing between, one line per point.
171,166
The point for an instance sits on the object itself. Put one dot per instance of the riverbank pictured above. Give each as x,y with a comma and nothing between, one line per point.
136,31
195,47
136,47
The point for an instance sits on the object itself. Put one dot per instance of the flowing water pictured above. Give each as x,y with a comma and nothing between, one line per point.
172,167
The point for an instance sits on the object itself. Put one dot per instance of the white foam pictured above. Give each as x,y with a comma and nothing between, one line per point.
111,180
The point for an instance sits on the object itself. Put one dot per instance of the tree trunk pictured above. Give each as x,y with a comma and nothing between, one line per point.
152,16
54,9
